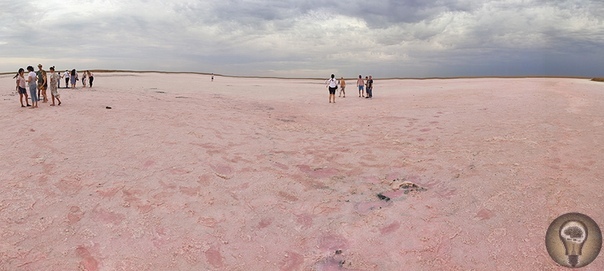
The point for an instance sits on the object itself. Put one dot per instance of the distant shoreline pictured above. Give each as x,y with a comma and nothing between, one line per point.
316,78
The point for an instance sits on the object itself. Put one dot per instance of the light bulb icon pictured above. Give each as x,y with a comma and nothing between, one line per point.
573,235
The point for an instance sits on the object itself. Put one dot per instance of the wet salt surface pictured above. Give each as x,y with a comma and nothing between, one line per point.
265,174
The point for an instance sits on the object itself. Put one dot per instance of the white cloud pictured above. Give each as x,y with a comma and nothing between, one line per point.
264,37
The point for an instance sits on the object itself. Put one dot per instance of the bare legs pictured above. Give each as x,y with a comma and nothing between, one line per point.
53,100
21,95
42,90
332,94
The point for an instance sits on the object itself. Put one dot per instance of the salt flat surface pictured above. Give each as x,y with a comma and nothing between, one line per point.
264,174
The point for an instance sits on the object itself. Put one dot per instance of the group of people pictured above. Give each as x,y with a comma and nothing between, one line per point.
38,82
73,76
365,87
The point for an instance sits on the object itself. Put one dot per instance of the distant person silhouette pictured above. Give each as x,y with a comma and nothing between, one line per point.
342,87
90,78
369,87
66,76
73,77
84,79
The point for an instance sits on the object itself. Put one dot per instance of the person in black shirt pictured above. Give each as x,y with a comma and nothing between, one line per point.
369,87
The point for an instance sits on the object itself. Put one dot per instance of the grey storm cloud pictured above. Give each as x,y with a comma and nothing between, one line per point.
409,38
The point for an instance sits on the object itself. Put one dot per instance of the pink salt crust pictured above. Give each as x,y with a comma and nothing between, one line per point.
264,174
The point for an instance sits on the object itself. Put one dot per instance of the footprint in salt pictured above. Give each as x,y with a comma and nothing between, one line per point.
223,171
69,186
75,215
484,214
287,196
148,163
179,171
392,227
332,242
106,216
214,257
281,166
265,222
304,220
190,191
292,261
88,262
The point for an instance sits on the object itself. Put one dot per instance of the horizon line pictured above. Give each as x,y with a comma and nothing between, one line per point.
317,78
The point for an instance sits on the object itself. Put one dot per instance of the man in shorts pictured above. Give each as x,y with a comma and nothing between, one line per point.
361,85
342,87
42,83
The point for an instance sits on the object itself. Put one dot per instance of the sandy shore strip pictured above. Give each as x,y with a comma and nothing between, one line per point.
264,174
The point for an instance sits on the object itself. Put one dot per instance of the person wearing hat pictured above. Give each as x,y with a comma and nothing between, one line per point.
42,83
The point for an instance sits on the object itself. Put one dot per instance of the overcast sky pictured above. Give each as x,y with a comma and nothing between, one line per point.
308,38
